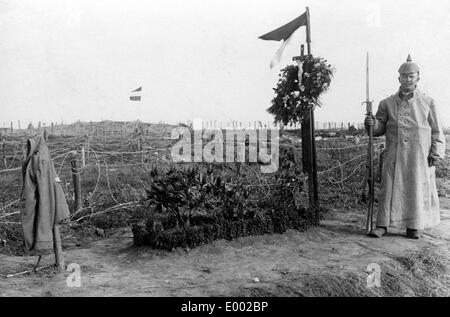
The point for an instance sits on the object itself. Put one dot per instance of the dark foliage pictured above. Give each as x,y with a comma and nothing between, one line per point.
188,207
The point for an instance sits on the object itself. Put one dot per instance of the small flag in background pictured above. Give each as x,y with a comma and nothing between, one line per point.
134,97
284,33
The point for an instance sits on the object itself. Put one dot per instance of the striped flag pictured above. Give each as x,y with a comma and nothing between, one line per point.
136,97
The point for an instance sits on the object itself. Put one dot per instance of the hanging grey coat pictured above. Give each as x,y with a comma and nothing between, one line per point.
413,130
44,203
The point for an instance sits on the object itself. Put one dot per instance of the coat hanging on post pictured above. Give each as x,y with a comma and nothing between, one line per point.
43,200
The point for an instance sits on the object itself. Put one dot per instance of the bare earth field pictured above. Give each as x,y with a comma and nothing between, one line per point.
327,260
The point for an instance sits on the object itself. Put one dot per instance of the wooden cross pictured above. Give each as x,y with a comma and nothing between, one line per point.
302,57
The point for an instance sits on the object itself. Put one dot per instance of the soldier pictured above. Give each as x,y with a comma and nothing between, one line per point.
414,142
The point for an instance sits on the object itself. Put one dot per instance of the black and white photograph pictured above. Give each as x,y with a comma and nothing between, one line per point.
224,153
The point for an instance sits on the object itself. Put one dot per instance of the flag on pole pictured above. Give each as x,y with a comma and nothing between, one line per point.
279,53
136,98
284,33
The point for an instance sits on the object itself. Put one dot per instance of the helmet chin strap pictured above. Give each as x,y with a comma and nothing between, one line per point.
405,92
408,91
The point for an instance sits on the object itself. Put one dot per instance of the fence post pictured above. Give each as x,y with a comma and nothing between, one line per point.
140,149
76,180
24,148
57,249
87,144
3,150
83,158
121,147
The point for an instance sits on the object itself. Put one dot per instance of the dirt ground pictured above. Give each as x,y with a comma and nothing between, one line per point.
328,260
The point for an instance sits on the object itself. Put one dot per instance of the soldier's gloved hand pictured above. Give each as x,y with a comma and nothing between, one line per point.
431,161
369,121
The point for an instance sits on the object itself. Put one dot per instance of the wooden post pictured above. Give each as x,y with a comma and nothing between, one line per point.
308,131
121,147
314,161
11,128
87,145
313,139
24,147
83,158
140,149
57,248
76,181
3,150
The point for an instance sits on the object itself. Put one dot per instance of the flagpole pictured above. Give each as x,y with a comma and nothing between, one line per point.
308,31
312,123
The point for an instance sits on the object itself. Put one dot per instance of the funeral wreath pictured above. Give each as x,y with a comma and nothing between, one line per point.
293,99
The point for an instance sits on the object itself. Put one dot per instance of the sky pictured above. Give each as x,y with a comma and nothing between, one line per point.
69,60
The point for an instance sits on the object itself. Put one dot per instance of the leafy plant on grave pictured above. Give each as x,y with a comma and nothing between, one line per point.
287,184
233,194
175,191
225,205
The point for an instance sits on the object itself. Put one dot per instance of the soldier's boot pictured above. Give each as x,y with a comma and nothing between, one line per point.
378,232
412,233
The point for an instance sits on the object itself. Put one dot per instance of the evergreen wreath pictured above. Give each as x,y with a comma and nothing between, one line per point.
292,101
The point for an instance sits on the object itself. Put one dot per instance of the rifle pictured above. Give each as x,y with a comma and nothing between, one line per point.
369,163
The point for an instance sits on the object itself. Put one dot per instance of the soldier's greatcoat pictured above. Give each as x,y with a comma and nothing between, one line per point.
413,131
44,203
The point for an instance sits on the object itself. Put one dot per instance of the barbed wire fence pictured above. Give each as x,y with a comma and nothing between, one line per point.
98,157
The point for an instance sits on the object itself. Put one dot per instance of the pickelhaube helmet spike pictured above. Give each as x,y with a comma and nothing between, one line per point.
408,66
